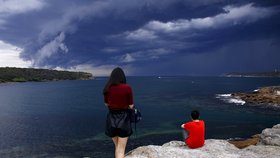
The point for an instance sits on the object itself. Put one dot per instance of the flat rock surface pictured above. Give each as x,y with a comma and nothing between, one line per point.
212,149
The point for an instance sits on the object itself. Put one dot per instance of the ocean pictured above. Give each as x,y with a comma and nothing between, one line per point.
67,118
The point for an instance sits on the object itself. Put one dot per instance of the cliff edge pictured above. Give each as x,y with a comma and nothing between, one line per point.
267,147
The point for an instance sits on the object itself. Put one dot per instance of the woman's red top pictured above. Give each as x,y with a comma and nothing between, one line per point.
119,97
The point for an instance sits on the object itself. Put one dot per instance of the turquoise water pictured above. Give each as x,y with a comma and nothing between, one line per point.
66,118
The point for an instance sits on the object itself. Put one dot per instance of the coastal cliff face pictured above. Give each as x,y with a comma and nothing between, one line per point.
268,147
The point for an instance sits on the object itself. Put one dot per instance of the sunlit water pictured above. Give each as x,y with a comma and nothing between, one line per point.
66,118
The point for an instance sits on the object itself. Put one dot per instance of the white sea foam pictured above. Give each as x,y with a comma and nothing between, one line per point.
223,95
230,99
236,101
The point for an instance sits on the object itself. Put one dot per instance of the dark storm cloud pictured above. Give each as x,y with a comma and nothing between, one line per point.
145,37
242,56
196,35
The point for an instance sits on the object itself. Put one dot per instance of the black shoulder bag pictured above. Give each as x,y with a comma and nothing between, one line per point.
135,116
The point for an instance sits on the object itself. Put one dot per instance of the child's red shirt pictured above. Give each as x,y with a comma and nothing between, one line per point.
196,133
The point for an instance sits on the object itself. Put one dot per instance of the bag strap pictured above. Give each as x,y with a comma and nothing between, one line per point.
135,121
135,125
135,130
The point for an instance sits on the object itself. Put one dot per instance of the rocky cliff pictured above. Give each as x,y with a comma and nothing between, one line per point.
267,147
264,95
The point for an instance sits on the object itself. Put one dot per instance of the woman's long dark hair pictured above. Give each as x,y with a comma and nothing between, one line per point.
117,77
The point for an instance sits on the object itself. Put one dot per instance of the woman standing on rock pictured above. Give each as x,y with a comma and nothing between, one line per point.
118,98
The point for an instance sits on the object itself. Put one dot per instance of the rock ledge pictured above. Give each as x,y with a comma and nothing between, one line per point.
268,147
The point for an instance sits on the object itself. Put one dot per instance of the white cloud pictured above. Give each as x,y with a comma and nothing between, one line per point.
10,7
101,70
141,34
144,55
13,7
232,16
50,49
9,56
128,58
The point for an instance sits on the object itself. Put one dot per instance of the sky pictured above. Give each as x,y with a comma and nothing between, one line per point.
144,37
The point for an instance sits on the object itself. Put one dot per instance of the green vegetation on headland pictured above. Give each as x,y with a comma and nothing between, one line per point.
254,74
8,74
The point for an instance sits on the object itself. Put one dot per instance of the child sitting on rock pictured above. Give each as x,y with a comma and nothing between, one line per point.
195,136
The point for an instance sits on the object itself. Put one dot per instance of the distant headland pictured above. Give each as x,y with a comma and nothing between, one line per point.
10,74
263,95
254,74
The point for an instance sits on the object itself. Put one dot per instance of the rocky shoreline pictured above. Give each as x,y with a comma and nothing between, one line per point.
264,95
266,146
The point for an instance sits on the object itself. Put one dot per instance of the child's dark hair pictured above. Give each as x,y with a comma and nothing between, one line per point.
195,114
